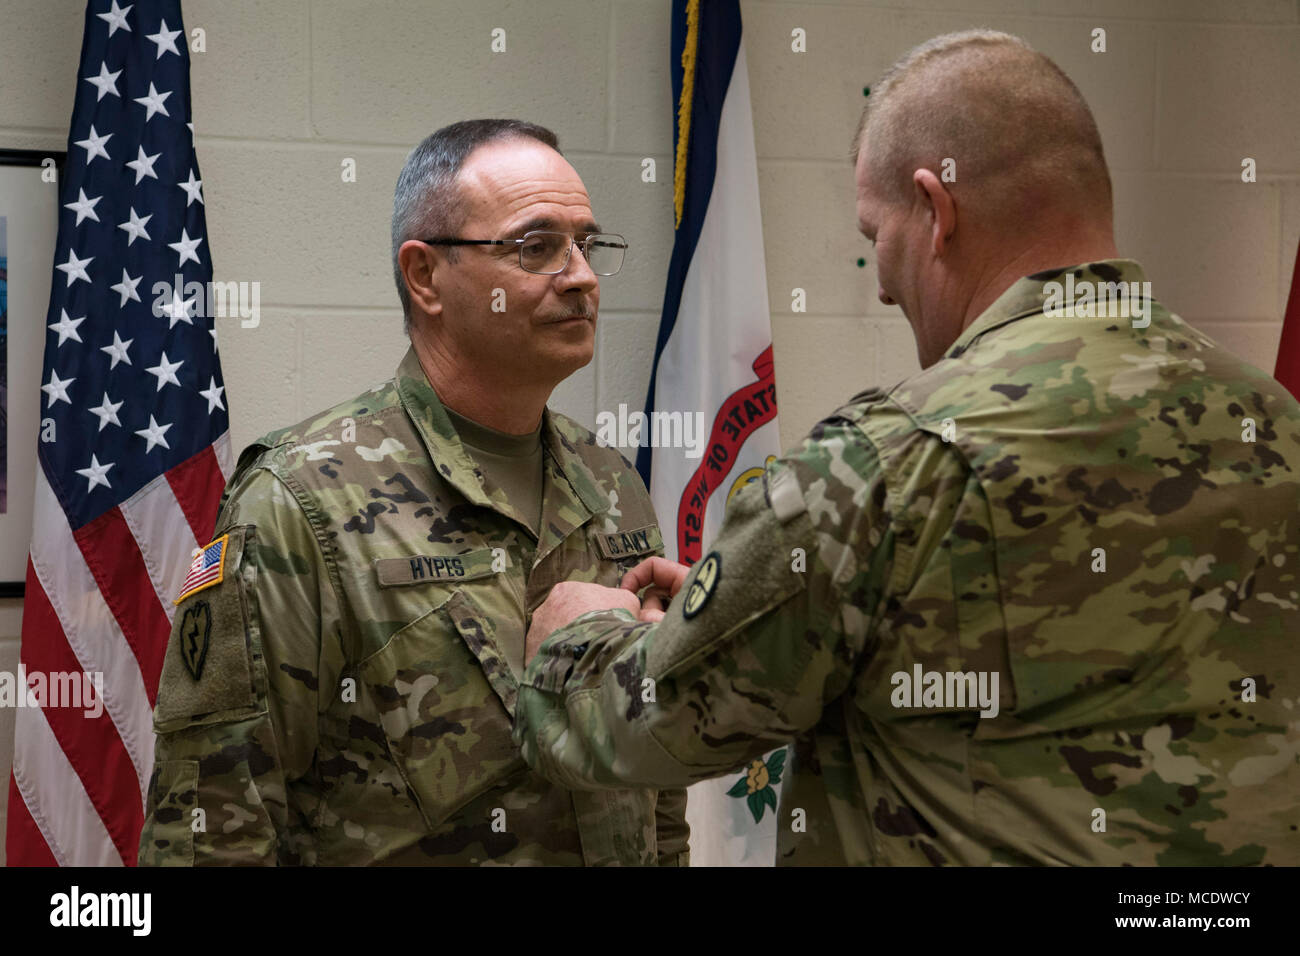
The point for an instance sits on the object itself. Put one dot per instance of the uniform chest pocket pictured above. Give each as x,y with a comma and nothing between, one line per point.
445,698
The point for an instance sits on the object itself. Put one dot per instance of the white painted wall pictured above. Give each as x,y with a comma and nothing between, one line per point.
288,88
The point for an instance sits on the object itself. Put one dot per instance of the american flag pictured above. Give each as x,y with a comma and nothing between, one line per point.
205,569
134,447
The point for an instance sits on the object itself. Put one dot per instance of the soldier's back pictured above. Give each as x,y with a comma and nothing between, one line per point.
1107,518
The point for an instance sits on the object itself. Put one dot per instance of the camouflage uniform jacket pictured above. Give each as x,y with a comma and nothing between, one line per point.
1073,505
340,696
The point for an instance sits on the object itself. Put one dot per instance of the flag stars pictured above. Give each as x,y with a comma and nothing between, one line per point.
143,165
107,413
56,389
153,103
165,372
193,190
106,82
213,394
126,288
66,327
178,310
165,40
117,350
83,207
185,247
154,435
75,268
93,144
135,227
95,474
116,18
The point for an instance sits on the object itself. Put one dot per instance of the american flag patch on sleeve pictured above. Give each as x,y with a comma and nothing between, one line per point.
207,569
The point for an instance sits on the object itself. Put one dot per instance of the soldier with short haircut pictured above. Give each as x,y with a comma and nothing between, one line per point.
1052,589
339,688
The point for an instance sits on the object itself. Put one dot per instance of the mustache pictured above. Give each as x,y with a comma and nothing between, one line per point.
583,311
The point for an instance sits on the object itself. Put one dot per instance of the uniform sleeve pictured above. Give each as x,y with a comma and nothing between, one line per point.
767,629
671,829
236,715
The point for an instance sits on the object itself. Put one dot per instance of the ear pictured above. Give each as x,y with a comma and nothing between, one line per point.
421,265
934,196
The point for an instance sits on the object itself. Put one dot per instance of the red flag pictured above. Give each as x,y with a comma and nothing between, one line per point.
1288,350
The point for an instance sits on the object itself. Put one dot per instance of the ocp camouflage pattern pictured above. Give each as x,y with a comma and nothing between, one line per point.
1072,504
355,703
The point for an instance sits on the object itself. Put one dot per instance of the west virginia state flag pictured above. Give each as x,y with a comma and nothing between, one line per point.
714,354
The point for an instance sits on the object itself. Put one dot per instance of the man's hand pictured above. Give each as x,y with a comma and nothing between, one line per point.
569,600
662,578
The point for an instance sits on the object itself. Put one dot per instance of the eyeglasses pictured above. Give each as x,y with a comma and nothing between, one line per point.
547,253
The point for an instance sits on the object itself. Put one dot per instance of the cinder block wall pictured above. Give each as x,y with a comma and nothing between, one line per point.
289,89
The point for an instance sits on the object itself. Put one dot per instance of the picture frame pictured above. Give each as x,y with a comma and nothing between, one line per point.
29,223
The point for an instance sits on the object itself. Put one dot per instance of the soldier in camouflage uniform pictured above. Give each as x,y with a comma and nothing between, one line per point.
340,690
1101,511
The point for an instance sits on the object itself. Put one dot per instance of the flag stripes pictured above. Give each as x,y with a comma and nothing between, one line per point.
135,444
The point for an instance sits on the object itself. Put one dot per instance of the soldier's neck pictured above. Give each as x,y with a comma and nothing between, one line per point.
1038,256
513,408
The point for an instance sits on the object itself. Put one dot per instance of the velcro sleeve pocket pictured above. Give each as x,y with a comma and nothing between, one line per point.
207,673
748,573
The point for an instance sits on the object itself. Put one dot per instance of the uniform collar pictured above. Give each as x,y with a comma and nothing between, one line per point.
1027,296
570,493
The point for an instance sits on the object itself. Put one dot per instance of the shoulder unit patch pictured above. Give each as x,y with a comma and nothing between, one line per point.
701,589
196,634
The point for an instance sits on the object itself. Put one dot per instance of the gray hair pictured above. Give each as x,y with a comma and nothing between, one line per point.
427,199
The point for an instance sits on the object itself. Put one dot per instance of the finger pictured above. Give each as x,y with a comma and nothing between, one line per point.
650,615
656,600
646,573
660,572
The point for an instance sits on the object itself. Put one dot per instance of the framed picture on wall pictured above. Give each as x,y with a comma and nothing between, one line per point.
29,219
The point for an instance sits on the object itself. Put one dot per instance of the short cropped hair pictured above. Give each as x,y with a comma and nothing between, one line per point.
427,200
1006,115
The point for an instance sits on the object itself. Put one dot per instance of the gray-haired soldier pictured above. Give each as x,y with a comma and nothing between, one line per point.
343,693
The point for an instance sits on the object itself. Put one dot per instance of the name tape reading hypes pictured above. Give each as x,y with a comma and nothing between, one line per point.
442,568
435,568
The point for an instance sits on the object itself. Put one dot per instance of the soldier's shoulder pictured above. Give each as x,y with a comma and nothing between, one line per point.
318,433
872,445
874,416
264,473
